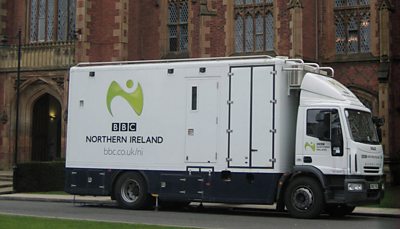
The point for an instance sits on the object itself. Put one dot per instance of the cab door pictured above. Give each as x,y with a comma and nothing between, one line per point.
323,145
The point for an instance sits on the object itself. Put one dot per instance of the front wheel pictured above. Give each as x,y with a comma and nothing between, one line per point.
131,191
304,198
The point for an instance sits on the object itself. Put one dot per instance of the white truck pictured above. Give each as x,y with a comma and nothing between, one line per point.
253,130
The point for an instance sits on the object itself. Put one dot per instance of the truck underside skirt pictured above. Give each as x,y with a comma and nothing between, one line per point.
250,188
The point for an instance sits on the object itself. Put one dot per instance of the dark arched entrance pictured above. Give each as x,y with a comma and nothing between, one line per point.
46,129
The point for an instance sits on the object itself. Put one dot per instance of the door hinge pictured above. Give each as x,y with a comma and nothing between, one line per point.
272,160
229,131
274,101
273,131
229,102
228,159
230,74
273,72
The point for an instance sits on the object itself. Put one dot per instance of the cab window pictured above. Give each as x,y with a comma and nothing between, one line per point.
318,124
325,125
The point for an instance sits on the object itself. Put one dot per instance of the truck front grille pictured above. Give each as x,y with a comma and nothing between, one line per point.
371,169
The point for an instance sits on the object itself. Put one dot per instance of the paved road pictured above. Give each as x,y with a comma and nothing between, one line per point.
192,217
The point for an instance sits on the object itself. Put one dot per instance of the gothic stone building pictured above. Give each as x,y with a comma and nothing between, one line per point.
358,38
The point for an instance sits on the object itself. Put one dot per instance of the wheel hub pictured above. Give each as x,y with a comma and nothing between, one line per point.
302,198
130,191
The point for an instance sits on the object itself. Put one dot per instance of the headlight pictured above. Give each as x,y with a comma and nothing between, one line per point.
355,187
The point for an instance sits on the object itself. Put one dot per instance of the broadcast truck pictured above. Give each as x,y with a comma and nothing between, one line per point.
236,130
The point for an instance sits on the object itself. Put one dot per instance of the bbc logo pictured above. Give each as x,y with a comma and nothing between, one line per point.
123,126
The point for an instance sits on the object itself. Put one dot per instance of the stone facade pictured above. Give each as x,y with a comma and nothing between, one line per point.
119,30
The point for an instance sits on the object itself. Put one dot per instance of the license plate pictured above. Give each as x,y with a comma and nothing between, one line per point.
373,186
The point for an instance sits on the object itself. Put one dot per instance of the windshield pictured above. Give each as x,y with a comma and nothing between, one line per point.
362,129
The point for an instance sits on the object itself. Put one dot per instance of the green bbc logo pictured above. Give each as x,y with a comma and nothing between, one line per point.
134,99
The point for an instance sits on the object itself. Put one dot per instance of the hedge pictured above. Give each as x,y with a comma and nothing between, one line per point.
40,176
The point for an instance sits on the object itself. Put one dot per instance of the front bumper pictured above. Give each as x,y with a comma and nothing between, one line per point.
372,191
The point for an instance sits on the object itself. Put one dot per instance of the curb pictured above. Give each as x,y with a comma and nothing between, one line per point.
57,198
377,212
386,215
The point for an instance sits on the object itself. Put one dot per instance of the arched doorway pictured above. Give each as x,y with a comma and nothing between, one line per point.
46,129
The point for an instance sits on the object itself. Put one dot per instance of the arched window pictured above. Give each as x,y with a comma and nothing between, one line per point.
352,20
254,26
51,20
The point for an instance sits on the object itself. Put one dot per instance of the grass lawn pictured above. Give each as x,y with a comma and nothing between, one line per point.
10,222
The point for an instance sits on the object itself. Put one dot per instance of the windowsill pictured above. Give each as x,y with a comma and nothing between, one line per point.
269,53
354,57
50,42
176,55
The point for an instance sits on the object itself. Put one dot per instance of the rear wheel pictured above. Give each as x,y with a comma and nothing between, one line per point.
131,191
304,198
339,210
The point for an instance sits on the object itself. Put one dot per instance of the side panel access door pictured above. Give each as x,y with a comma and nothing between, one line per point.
251,117
201,120
262,130
239,117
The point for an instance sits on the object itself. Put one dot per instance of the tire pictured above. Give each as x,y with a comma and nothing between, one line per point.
339,210
304,198
131,191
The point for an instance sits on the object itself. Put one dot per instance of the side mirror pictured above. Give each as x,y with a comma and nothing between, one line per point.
378,123
379,132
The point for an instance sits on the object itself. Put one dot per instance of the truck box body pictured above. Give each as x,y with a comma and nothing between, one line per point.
187,122
221,130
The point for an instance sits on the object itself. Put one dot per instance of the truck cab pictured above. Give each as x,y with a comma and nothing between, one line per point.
337,142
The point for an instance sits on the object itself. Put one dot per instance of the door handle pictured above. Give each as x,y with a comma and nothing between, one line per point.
254,150
307,159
